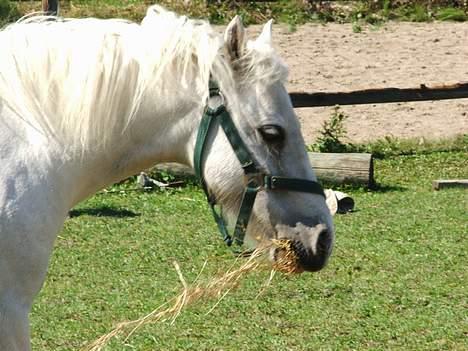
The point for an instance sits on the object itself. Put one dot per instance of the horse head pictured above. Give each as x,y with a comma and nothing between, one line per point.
254,142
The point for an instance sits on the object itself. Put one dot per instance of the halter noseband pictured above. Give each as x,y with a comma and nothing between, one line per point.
254,179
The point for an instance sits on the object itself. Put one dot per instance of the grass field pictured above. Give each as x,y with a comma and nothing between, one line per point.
397,279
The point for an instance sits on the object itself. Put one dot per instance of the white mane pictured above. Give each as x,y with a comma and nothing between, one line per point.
80,80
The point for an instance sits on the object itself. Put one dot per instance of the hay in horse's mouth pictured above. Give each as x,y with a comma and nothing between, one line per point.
286,261
285,257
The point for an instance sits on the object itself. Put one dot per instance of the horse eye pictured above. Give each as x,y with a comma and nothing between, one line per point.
272,133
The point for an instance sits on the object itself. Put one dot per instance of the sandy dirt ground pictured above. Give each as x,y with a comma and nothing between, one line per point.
333,58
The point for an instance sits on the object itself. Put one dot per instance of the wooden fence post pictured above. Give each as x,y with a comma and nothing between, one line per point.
50,7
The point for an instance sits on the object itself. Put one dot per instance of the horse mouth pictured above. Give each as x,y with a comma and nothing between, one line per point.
297,256
285,258
292,257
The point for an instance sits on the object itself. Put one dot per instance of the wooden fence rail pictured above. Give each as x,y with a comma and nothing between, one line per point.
378,96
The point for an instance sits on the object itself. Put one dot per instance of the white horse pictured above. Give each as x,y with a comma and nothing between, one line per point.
86,102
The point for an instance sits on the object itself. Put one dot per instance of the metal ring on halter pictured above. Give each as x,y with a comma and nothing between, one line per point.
218,98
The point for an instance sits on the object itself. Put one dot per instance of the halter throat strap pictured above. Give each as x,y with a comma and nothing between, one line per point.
254,179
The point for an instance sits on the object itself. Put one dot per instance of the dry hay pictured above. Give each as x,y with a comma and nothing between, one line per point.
286,259
216,288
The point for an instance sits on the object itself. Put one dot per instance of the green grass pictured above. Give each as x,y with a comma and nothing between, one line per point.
397,279
8,12
451,14
391,146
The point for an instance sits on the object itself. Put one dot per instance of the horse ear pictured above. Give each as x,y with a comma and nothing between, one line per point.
265,35
234,38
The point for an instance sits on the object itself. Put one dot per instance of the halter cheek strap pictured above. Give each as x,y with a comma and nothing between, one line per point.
254,179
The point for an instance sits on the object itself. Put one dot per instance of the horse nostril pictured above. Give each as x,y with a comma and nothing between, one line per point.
324,241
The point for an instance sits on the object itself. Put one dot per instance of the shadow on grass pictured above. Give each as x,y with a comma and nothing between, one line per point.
378,188
385,188
102,211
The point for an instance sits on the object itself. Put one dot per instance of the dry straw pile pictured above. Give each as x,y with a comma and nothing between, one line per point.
216,289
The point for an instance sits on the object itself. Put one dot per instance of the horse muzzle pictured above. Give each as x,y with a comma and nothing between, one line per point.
307,248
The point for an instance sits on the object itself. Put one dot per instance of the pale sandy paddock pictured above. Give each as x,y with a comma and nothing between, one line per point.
333,58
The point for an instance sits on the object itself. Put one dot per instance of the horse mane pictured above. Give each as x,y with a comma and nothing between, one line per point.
80,81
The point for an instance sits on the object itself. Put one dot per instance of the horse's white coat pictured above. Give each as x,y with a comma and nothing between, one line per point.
85,103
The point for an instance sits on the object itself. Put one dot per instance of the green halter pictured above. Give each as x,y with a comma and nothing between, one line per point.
254,179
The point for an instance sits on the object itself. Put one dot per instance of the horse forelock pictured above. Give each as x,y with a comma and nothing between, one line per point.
262,64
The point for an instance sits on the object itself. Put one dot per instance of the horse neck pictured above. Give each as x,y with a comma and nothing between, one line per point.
158,133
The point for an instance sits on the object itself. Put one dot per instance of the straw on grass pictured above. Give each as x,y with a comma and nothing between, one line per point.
217,287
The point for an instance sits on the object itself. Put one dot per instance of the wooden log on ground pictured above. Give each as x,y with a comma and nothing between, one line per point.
176,169
343,168
449,183
337,168
380,96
